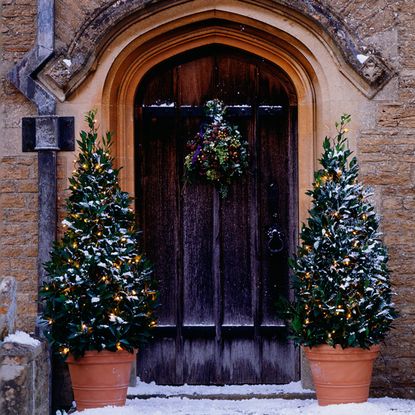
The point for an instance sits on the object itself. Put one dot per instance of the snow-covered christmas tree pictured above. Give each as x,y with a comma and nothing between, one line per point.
100,292
342,288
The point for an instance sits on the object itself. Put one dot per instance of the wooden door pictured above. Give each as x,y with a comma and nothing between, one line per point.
217,275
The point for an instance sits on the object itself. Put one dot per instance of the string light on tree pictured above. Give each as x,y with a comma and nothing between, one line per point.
94,266
341,244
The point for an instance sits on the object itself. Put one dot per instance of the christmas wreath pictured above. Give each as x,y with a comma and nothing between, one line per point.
217,154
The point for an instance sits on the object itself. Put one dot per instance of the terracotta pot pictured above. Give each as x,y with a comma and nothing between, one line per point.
100,378
341,375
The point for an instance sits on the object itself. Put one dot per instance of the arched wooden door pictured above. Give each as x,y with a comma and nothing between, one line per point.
217,276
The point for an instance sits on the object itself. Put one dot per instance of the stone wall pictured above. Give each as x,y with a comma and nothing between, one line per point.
386,152
18,171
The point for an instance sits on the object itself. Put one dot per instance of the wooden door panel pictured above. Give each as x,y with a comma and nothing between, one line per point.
235,80
217,278
196,80
160,187
199,365
241,361
237,241
273,168
235,256
158,361
273,367
198,278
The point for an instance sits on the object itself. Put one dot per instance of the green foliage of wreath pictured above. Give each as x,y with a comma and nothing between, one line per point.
217,154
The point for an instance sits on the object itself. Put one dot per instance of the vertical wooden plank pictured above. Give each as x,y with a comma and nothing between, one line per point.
199,364
274,192
196,82
218,305
236,86
157,362
278,360
235,247
241,363
197,255
195,87
159,187
158,88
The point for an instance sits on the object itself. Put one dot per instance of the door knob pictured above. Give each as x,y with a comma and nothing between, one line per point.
275,240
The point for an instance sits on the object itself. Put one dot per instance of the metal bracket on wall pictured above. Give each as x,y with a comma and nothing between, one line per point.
48,133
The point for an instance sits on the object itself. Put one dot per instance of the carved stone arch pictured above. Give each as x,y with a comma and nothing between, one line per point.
365,68
139,56
280,35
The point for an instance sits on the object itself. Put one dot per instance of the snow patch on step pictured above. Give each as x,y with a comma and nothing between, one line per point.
152,388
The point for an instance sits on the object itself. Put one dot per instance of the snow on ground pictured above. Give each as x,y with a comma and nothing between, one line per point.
169,402
22,338
143,388
185,406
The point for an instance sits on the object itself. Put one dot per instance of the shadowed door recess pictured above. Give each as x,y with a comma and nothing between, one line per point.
218,277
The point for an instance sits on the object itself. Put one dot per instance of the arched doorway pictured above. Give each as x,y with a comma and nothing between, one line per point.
217,276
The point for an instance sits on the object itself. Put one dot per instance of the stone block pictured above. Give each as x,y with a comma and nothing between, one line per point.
7,306
24,379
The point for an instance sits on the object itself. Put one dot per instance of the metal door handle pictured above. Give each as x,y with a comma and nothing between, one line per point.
275,240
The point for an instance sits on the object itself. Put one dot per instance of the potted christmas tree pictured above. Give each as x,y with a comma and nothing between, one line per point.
99,299
342,308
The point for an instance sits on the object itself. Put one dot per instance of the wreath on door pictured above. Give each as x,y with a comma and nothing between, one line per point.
217,154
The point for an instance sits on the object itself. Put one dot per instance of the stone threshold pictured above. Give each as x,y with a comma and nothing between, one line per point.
228,397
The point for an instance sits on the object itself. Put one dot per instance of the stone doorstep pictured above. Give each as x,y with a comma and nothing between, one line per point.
230,397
